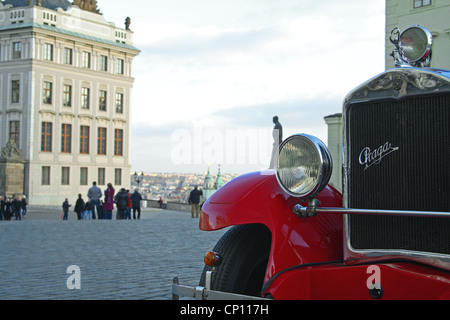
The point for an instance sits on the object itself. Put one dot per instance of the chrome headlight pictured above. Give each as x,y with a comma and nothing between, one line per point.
304,166
413,45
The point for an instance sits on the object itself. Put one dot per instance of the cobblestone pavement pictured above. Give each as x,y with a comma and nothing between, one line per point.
118,259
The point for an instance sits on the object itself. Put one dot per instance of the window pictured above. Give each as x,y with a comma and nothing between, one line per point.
101,149
48,52
120,66
119,102
15,91
65,176
421,3
118,142
17,50
66,138
102,100
14,132
47,93
84,176
103,63
118,177
45,179
84,140
46,137
85,97
67,95
101,176
68,54
86,60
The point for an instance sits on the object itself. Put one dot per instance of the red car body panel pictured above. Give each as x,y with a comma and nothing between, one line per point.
257,198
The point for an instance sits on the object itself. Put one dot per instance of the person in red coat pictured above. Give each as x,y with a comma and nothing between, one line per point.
108,206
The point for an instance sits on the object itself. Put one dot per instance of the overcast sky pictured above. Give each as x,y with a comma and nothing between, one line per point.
210,71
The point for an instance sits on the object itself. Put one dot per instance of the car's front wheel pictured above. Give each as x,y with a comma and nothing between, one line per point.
244,251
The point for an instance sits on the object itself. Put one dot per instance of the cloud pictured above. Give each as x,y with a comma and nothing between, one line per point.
231,65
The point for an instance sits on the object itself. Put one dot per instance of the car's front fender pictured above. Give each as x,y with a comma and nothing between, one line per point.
258,198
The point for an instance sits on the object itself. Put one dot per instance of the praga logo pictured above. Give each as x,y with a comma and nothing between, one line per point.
367,157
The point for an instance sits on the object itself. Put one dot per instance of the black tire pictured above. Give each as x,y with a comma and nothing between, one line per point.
244,251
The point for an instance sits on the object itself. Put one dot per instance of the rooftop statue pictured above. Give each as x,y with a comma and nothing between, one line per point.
88,5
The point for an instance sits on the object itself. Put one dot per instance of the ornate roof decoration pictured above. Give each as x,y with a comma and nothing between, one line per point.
88,5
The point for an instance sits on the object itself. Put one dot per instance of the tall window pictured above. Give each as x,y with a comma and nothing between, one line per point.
48,52
103,63
86,59
101,149
66,138
85,97
47,92
84,176
17,50
15,91
65,176
46,137
14,131
67,95
119,102
120,66
421,3
101,176
84,140
102,100
68,54
45,178
118,142
118,177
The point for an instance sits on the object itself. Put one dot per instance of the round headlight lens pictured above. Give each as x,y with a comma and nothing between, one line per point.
416,43
304,166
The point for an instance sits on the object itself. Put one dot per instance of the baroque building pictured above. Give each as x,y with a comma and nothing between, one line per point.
65,96
210,186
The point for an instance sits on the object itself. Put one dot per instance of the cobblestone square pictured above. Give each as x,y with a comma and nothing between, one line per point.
118,259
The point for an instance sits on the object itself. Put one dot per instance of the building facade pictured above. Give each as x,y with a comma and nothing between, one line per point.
65,96
431,14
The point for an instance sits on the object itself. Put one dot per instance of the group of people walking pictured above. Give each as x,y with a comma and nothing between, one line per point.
14,206
123,200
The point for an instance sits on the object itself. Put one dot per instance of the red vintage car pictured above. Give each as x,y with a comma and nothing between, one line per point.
387,236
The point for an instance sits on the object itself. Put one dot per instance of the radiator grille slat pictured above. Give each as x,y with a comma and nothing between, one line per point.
414,177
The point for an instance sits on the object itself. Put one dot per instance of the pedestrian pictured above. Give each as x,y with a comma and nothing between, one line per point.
79,207
8,209
136,203
94,195
2,208
87,210
17,205
66,207
128,211
194,201
121,200
108,206
24,205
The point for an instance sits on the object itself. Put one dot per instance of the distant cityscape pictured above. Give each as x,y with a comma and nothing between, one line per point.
172,187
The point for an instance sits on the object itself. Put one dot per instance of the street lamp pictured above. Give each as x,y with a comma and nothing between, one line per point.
138,178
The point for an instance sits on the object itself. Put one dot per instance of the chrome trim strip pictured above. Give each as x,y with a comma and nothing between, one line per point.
376,212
